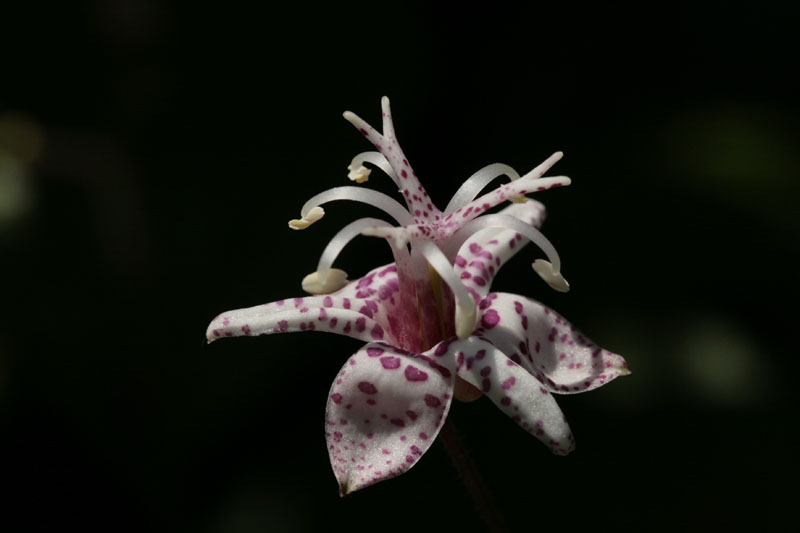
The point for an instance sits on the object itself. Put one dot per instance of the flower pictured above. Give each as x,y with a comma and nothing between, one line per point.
433,330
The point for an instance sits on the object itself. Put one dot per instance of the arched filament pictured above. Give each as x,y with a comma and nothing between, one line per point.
359,173
318,282
526,184
475,183
466,310
399,236
311,211
548,270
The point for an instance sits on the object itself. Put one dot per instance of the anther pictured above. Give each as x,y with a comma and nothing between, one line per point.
360,174
313,215
553,278
335,280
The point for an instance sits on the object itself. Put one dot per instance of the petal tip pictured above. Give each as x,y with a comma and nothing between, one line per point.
344,489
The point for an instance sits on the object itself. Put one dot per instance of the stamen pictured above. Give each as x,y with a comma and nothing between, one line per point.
311,212
508,222
464,197
340,240
549,271
359,173
475,183
466,310
309,218
551,275
333,280
400,236
526,184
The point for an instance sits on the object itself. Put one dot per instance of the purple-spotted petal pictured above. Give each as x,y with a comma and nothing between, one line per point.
288,316
384,410
512,389
482,255
370,309
379,284
389,300
545,344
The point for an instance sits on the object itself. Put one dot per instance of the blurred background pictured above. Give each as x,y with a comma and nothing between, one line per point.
152,152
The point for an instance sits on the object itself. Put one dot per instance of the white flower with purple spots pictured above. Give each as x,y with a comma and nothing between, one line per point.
433,329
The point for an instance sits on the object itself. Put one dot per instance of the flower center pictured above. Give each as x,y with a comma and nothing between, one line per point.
426,242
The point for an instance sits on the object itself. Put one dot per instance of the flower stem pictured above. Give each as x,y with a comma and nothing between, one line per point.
471,478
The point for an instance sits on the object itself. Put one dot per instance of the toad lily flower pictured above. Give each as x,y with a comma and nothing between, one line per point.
433,330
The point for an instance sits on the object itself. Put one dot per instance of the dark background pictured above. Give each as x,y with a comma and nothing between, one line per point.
152,152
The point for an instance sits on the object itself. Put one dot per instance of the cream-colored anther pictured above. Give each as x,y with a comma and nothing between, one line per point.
553,278
313,215
335,280
359,175
519,199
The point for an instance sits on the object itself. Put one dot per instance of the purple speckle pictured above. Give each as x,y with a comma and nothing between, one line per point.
374,352
432,401
390,363
490,319
413,373
367,388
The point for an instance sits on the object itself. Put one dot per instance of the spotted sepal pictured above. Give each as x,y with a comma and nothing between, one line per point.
385,408
546,345
512,389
